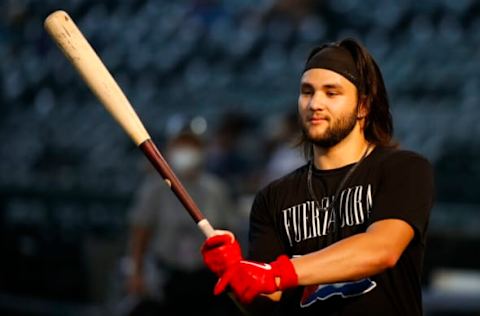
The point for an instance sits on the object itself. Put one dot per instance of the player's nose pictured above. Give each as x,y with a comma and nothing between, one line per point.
317,102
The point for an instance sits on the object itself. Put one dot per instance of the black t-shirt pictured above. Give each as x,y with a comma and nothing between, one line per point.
387,184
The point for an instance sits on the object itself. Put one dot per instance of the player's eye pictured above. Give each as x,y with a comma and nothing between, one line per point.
306,91
332,93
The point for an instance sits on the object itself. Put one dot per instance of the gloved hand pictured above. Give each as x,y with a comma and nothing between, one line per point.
221,251
248,279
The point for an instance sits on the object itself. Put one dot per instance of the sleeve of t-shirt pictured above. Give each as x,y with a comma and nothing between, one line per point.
144,208
264,243
405,191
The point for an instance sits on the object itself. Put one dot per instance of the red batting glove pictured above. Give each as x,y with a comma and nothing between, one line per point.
220,252
248,279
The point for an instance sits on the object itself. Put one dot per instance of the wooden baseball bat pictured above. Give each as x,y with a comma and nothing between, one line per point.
80,53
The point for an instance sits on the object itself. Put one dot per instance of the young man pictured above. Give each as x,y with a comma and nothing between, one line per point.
344,234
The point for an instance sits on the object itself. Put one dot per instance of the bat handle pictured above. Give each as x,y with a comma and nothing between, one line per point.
161,165
206,228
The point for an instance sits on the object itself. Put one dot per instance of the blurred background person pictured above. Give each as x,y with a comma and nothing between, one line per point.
164,236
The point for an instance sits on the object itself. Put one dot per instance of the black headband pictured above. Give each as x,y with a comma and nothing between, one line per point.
335,58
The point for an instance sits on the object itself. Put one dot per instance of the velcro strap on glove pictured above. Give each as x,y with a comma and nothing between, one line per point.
284,269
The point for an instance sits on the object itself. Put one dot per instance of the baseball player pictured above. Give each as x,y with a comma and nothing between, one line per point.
345,233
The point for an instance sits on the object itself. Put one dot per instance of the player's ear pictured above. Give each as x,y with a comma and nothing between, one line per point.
362,107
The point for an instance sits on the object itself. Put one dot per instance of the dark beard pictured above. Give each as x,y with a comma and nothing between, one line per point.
334,134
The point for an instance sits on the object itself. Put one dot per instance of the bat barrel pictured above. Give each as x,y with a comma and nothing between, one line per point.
88,64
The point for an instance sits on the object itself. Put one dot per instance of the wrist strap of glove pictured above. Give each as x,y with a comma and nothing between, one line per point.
283,269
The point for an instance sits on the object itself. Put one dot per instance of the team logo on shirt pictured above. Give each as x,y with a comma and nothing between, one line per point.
322,292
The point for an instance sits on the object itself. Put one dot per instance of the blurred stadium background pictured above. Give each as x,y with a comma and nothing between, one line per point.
64,194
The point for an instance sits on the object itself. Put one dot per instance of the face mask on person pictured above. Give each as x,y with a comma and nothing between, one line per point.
185,159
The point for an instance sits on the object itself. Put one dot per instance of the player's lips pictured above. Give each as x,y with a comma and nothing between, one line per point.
317,119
